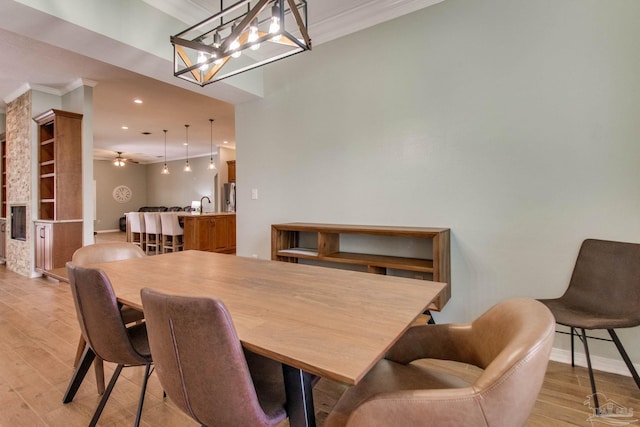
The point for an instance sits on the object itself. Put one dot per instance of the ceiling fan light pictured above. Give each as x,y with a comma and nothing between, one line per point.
118,161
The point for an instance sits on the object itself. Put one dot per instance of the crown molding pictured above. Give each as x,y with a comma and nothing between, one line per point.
363,16
16,93
79,83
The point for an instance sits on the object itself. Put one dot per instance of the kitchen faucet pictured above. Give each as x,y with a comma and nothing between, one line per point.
201,199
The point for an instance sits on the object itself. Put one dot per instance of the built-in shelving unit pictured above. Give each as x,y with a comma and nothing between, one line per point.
58,229
60,165
415,252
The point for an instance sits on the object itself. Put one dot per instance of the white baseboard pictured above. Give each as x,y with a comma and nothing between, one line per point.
614,366
108,231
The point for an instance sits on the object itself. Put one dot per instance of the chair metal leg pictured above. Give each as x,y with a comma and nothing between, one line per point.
81,370
147,374
105,396
625,356
573,362
591,377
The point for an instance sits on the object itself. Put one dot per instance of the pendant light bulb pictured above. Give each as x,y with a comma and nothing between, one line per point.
217,42
212,165
253,34
274,27
187,167
202,59
165,168
235,44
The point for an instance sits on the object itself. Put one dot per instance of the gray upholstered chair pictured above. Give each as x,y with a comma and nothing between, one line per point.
511,342
95,254
203,368
107,336
603,293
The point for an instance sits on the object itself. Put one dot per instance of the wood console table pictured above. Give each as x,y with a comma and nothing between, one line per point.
414,252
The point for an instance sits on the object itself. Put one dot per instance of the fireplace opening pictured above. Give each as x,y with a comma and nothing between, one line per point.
19,223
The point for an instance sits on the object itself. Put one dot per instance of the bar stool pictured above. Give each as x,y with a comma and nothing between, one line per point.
136,226
153,232
171,232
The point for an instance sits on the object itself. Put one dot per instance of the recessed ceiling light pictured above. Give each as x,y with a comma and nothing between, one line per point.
138,101
125,127
226,142
146,133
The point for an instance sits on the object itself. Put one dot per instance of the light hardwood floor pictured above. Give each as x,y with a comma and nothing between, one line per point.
38,337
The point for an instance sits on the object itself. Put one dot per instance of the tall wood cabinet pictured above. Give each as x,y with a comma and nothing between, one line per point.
58,230
231,171
414,252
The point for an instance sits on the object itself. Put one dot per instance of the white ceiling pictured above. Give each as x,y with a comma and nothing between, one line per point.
30,61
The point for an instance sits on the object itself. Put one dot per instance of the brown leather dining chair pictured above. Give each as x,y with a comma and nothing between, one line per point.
511,342
106,334
94,254
203,368
603,293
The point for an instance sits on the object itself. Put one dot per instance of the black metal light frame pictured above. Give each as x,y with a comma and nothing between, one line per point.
233,20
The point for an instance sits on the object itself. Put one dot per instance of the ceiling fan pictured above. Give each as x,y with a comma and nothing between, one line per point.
121,161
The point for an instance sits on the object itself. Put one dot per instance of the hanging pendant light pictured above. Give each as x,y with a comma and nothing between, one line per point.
212,166
187,167
268,31
165,168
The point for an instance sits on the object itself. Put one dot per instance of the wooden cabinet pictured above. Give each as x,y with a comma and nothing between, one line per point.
415,252
59,165
58,230
213,233
55,243
231,169
3,240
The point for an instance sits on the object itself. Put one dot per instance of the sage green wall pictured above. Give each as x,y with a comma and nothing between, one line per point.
107,177
180,188
150,187
513,122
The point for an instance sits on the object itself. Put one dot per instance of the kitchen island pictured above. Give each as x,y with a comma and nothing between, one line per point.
213,232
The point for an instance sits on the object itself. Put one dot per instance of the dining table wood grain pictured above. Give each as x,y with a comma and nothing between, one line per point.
327,322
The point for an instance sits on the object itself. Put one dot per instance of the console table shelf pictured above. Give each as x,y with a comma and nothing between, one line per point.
416,252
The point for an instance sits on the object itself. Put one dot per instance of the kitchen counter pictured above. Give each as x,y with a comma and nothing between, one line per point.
210,231
186,214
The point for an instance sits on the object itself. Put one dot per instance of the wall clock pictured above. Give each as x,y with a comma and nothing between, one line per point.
122,194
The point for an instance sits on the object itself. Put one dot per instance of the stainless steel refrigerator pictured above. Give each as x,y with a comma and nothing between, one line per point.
229,197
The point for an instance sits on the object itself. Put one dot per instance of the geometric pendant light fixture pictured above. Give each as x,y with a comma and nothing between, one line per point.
241,36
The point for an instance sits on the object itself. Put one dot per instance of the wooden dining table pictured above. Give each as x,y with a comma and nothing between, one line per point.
315,320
